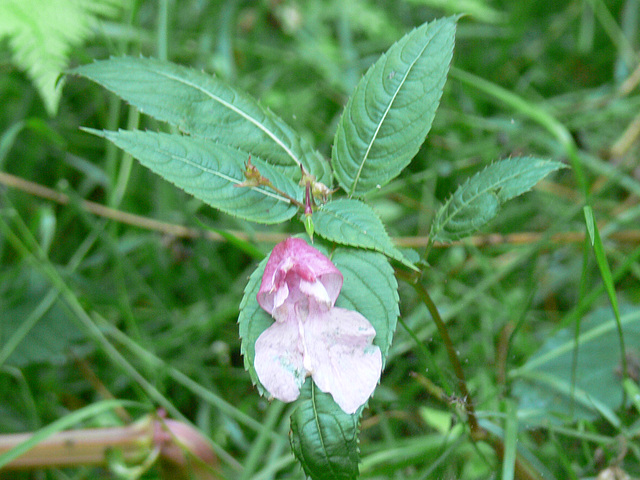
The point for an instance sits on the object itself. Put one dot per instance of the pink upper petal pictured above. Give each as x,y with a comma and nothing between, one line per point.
279,360
291,262
344,362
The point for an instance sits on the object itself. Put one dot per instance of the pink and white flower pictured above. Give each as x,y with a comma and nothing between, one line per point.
310,336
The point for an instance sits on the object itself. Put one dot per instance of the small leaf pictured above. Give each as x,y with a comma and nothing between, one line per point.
351,222
211,172
391,110
203,105
478,200
323,437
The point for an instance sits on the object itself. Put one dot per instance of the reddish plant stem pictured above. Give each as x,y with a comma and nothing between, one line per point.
522,469
477,432
82,447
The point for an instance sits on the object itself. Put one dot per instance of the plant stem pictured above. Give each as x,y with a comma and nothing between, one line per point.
82,447
477,432
522,469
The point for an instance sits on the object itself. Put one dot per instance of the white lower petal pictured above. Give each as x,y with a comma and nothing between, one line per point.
279,361
344,361
316,291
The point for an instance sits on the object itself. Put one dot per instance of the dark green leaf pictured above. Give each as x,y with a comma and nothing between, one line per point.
391,110
203,105
323,437
351,222
211,172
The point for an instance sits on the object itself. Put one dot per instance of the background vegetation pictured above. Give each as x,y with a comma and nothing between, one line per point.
97,304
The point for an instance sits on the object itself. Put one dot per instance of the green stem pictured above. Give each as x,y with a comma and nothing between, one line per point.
477,432
522,470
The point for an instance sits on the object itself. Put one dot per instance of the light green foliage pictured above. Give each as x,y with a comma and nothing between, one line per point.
42,33
202,105
211,172
324,438
478,200
479,9
155,314
351,222
390,113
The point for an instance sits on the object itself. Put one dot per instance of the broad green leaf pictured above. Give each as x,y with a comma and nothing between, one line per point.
544,385
391,110
369,287
42,34
478,200
324,439
211,172
34,325
202,105
351,222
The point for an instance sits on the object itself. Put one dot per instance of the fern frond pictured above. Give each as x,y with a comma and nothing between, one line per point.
42,33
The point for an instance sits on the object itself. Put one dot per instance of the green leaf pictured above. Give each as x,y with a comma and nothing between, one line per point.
323,437
391,110
252,321
203,105
478,200
369,287
605,273
351,222
211,172
545,387
35,326
42,34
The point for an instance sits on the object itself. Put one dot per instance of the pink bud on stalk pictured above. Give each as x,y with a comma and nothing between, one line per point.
310,336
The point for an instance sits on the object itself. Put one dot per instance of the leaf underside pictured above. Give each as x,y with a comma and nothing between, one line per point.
478,200
387,118
210,172
202,105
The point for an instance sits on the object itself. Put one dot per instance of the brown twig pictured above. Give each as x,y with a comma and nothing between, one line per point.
181,231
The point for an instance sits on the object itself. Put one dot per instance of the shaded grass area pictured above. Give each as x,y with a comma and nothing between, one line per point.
93,309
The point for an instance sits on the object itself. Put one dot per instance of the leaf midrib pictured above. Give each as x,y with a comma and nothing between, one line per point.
238,111
226,177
